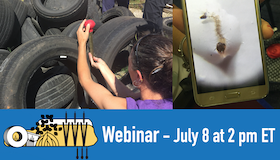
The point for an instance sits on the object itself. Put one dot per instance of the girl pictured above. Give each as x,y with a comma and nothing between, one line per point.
150,69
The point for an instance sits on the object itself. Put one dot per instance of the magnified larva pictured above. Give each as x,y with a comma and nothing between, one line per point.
221,45
204,16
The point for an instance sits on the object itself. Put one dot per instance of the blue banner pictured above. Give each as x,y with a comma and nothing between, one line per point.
127,135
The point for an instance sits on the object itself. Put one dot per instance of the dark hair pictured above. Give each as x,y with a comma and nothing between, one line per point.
155,63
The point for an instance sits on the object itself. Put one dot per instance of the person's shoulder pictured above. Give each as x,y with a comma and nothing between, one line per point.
156,104
149,104
131,103
168,103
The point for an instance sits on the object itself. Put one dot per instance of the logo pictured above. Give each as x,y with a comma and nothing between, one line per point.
50,132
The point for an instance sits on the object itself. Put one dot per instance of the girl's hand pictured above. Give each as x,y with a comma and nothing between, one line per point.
97,63
267,30
83,33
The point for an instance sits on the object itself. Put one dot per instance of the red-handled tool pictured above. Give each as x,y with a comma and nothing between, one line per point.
92,24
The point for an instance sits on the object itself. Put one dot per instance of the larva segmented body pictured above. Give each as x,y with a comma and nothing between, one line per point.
221,45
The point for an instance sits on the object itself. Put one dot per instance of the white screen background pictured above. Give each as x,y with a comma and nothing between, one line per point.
242,66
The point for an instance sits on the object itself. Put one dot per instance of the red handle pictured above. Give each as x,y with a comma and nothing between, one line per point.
91,23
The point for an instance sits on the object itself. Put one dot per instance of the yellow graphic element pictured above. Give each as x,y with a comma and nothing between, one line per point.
48,138
59,132
16,136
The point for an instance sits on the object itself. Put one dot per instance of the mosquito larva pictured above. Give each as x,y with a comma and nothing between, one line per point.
204,16
221,45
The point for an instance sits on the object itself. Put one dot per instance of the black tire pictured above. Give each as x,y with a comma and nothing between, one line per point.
28,31
3,55
67,13
7,21
92,11
30,9
113,36
49,32
70,31
99,7
57,89
37,26
20,10
53,31
22,65
115,12
115,39
167,26
170,2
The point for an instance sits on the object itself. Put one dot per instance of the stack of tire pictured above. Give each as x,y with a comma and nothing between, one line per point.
39,70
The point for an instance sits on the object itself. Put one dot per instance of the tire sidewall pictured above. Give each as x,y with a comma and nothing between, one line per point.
119,32
18,69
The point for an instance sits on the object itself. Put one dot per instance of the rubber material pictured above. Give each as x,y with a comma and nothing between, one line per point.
115,12
3,54
57,13
7,21
28,31
53,31
31,12
37,26
20,10
56,90
167,26
114,35
92,11
19,70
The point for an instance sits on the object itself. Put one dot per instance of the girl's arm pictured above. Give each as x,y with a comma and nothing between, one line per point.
100,95
116,85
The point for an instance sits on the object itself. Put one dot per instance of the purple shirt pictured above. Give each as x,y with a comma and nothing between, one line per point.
149,104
